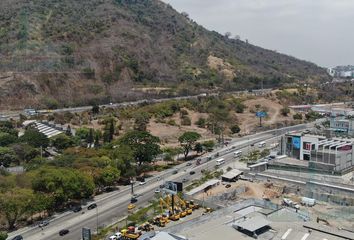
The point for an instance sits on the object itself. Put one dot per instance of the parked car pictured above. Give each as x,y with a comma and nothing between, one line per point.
227,185
18,237
63,232
92,206
43,223
157,190
133,200
77,208
192,172
135,195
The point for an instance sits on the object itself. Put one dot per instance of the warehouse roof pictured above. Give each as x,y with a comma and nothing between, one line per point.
208,184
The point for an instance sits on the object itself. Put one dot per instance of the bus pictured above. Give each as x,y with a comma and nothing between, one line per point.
220,161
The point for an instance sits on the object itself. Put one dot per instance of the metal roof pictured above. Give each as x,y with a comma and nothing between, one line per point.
204,186
167,236
252,224
232,174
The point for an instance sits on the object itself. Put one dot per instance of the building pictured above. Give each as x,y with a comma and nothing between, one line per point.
344,126
231,176
334,156
42,128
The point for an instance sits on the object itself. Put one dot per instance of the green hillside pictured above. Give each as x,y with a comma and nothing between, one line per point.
71,52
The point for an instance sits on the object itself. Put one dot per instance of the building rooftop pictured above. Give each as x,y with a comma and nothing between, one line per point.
232,174
208,184
252,224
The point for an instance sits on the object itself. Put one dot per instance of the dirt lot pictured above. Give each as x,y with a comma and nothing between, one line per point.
248,121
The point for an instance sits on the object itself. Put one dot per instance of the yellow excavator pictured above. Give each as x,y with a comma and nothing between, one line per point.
173,214
184,210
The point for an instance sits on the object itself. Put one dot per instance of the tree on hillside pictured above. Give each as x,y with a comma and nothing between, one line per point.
109,131
15,203
7,139
123,156
3,235
285,111
144,145
62,141
108,176
187,141
68,131
141,121
35,138
25,152
63,184
7,156
235,129
95,109
90,137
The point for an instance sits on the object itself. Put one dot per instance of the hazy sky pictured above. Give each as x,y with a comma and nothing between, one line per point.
321,31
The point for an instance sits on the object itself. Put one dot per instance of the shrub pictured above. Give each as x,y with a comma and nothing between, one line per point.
297,116
201,122
186,121
171,122
285,111
235,129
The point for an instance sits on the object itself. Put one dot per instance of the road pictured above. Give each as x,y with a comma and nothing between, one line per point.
113,206
16,114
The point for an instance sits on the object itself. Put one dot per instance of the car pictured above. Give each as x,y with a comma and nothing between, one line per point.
175,172
135,195
18,237
162,185
63,232
184,180
131,206
227,185
192,172
133,200
77,208
142,183
43,223
157,190
189,164
92,206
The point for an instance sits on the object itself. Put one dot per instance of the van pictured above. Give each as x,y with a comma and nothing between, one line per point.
220,161
237,154
261,144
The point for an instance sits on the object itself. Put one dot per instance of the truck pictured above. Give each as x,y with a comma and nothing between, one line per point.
261,144
289,203
274,145
308,201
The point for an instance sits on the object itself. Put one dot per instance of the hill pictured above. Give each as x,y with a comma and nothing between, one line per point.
72,52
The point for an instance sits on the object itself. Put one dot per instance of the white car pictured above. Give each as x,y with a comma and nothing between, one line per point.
116,236
142,183
157,190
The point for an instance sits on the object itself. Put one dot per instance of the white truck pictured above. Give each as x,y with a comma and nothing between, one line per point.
308,201
289,203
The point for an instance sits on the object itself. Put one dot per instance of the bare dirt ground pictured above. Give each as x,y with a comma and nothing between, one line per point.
169,134
248,121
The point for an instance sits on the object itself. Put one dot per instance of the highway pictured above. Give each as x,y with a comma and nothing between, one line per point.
113,206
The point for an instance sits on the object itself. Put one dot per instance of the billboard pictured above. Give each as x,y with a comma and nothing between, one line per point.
86,234
261,114
296,142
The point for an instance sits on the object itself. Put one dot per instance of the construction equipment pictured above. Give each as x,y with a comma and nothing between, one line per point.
192,205
174,213
130,233
147,227
184,210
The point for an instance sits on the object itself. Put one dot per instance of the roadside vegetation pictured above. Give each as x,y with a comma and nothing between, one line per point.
105,147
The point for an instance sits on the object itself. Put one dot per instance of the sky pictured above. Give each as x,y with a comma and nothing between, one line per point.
320,31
